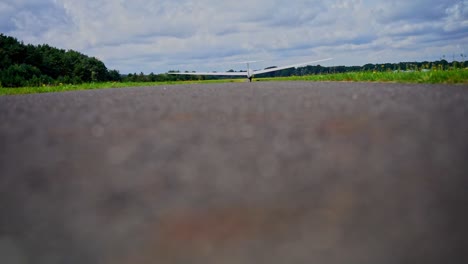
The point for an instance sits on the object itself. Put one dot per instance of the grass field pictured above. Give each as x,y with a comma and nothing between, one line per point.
456,76
104,85
448,77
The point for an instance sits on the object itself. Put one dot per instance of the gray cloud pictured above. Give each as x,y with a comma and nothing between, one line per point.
155,36
30,18
413,11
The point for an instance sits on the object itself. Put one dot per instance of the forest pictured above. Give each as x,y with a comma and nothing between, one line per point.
29,65
42,65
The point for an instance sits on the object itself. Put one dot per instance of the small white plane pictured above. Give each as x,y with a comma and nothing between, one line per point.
250,73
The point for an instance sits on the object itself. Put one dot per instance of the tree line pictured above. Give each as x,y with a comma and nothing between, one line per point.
441,64
30,65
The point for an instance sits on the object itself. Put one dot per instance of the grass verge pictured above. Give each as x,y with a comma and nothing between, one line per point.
447,77
457,76
104,85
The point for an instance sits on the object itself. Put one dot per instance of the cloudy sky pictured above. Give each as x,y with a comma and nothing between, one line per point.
161,35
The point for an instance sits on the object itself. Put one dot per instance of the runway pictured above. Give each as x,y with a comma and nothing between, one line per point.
262,172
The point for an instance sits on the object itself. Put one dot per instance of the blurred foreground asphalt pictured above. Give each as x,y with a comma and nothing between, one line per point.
263,172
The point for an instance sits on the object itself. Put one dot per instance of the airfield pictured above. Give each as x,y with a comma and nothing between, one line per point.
262,172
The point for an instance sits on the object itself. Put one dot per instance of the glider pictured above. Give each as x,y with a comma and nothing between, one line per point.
250,73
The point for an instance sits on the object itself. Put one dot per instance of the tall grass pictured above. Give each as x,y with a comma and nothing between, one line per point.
434,76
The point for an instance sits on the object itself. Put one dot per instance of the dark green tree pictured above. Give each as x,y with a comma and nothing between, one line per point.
20,75
20,64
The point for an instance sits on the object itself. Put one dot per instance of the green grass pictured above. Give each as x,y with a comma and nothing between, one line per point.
449,77
105,85
456,76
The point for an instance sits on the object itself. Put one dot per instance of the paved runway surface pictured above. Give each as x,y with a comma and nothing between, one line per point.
272,172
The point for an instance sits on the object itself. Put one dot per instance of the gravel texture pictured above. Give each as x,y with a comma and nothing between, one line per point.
263,172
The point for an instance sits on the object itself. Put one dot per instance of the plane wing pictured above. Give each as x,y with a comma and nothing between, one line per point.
211,73
250,73
289,66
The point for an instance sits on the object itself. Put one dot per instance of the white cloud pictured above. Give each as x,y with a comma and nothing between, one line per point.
150,35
